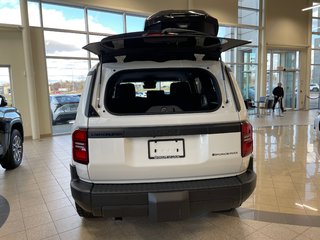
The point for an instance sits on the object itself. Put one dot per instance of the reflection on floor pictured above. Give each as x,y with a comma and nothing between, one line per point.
63,128
285,204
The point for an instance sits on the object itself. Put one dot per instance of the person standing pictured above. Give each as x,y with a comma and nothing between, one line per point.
278,94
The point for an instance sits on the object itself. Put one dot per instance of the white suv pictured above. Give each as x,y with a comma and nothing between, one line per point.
161,128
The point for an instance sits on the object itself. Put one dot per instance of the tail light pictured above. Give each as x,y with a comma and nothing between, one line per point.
246,139
80,146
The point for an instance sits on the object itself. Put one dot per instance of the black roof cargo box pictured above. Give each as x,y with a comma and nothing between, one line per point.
196,20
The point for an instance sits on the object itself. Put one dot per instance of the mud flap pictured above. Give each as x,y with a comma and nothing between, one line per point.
168,206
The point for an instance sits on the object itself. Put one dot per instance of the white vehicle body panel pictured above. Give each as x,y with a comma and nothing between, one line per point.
126,159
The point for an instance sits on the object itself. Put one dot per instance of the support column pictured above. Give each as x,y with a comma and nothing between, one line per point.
190,4
262,52
32,97
307,77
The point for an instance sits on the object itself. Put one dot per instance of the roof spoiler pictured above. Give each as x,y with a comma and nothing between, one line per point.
169,44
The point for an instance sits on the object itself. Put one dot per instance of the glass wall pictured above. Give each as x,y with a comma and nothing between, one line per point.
66,75
244,60
34,13
10,12
248,12
314,96
134,23
67,63
283,66
62,17
100,21
67,29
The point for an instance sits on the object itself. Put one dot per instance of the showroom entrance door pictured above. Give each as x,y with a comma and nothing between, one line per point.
283,66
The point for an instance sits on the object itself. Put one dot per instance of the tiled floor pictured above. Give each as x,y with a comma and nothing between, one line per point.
285,204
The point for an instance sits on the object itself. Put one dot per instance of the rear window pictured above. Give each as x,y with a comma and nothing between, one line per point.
162,91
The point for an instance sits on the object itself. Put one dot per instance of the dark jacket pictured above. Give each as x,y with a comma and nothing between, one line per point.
278,92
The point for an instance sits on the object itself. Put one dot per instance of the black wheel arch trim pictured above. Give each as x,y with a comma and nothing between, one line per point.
17,122
9,126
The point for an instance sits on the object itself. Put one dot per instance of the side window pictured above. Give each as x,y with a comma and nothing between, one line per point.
162,91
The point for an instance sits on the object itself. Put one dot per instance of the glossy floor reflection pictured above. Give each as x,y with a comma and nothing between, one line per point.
287,165
285,204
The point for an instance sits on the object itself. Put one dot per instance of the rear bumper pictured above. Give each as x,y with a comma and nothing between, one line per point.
163,201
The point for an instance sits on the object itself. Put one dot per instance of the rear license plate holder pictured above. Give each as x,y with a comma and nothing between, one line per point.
166,148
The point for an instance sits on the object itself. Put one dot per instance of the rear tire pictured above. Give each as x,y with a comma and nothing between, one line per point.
13,156
83,213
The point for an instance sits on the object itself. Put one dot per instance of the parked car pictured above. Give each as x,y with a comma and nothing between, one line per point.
64,107
11,136
314,87
172,153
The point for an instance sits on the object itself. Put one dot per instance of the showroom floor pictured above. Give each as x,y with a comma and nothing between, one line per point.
35,201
